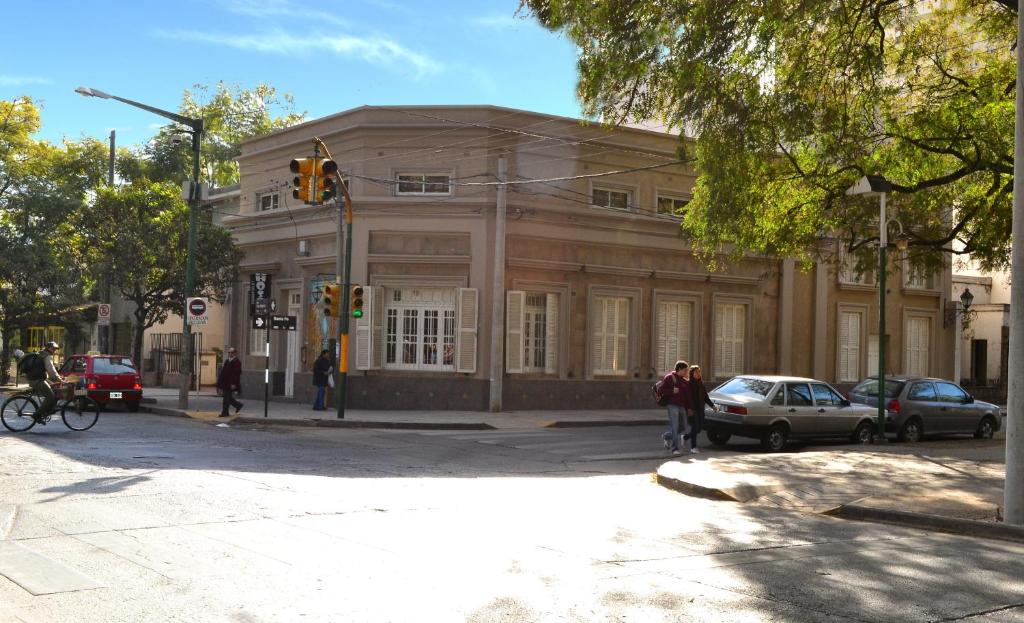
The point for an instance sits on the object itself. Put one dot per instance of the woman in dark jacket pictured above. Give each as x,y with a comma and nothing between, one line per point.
698,399
321,374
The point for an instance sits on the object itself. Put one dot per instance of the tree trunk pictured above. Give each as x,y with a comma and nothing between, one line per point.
138,332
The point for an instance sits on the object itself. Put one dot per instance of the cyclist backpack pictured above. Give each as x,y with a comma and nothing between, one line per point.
33,367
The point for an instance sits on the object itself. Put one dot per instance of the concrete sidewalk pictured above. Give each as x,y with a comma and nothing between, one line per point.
207,406
887,485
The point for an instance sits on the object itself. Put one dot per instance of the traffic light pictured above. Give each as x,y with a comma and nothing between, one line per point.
330,301
357,301
325,184
303,169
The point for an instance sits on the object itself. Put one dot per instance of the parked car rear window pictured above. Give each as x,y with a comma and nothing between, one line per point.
869,387
741,385
112,365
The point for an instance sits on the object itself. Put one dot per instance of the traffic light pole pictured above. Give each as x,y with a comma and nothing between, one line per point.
342,268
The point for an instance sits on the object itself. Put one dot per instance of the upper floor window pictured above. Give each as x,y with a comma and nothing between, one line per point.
421,184
673,206
268,201
855,268
916,277
611,198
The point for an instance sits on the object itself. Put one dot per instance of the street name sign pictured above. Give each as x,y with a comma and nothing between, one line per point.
283,323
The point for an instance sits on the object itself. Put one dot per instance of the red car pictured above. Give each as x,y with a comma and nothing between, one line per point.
108,379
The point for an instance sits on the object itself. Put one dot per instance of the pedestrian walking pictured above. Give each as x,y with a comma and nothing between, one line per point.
322,371
229,382
698,400
675,387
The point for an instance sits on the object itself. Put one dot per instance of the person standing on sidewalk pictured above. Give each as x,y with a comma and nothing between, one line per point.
322,370
698,400
229,382
674,386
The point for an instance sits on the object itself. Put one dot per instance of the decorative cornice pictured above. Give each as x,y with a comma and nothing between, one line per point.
315,260
400,258
263,267
522,262
858,287
708,277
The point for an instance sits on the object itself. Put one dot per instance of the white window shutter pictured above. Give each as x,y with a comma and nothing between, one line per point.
660,345
515,307
622,337
465,356
365,344
374,297
551,337
597,336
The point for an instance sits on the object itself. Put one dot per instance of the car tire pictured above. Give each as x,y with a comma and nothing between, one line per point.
864,433
912,431
775,439
719,438
986,428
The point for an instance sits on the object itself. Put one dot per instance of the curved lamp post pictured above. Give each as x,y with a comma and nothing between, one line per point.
878,186
196,129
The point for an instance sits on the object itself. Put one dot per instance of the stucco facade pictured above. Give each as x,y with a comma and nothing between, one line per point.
597,293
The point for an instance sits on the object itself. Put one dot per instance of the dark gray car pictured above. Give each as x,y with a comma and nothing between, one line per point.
917,406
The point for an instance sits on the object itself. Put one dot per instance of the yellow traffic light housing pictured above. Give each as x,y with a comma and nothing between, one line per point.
304,168
325,171
330,300
357,301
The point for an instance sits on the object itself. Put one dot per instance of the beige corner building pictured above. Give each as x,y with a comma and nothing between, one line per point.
567,286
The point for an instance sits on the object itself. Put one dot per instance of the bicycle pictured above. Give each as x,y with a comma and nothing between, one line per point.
79,412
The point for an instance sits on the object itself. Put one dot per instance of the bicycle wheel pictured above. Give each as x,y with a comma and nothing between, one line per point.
18,413
80,413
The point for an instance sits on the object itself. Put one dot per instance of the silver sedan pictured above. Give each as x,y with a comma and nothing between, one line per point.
776,409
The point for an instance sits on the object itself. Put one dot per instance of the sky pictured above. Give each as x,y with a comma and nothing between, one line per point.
331,55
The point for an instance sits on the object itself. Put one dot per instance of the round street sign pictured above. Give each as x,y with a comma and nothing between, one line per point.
197,307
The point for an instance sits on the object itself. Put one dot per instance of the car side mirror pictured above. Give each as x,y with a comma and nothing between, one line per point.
844,402
969,399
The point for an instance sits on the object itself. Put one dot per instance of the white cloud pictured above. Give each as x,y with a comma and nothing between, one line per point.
274,9
17,81
376,50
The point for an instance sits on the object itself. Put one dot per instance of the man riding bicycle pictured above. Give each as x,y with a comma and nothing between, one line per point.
41,386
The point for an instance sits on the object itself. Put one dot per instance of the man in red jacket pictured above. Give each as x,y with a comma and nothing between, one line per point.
229,382
675,385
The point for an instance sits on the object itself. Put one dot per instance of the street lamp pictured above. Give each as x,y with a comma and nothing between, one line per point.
878,186
196,129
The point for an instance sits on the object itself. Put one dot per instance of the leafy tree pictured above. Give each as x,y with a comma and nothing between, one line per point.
230,115
135,235
42,187
791,101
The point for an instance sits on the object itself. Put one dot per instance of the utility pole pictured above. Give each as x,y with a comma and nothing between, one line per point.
498,296
106,329
1013,489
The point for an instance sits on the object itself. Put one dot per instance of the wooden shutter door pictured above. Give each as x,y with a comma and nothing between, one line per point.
467,319
515,304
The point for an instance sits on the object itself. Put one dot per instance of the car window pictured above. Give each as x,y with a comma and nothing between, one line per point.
779,398
798,395
950,393
921,391
74,365
825,395
744,385
869,387
112,365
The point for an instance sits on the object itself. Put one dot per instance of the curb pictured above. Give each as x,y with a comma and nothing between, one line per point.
925,521
597,423
691,489
317,423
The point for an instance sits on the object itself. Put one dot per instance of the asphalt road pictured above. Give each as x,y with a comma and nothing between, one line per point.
146,518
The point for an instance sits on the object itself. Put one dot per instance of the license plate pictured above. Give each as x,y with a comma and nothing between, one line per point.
115,394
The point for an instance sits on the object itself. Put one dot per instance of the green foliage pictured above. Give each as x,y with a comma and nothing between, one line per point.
791,101
137,237
230,116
